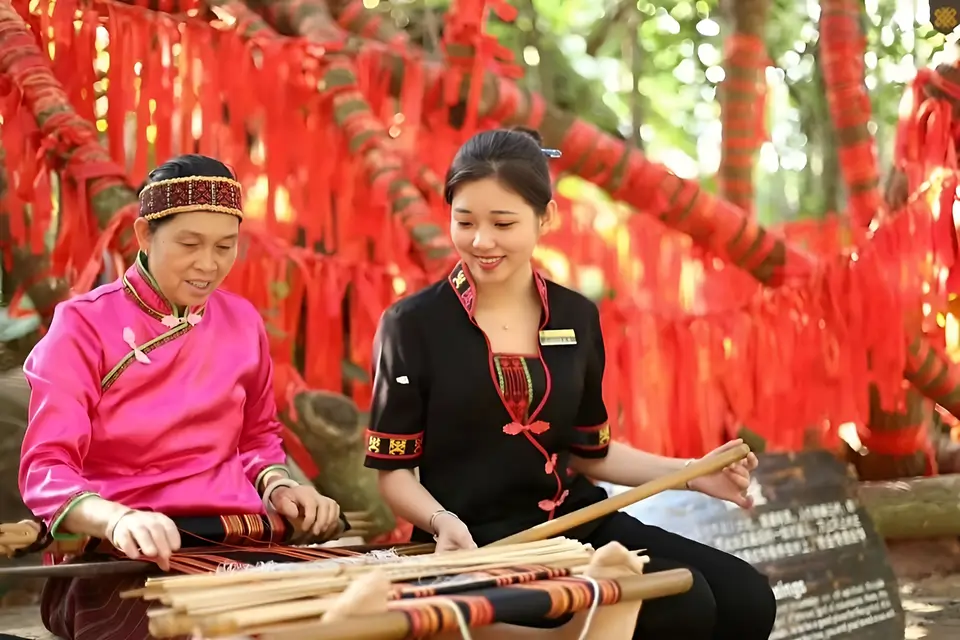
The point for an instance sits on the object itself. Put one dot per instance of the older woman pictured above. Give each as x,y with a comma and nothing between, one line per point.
152,397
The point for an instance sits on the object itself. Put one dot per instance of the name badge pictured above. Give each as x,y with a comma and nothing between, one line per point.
555,337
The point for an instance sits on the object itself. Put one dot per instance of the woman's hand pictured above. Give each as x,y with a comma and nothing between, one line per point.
315,513
146,534
731,483
452,534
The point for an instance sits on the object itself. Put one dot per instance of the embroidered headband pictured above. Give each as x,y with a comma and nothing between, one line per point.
193,193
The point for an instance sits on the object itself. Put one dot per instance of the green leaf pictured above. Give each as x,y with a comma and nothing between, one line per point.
351,371
280,289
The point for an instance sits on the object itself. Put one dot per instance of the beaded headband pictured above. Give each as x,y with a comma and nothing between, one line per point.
193,193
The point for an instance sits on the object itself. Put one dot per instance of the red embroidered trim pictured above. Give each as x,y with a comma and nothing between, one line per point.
462,283
516,392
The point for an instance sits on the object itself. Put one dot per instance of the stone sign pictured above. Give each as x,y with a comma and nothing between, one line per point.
809,534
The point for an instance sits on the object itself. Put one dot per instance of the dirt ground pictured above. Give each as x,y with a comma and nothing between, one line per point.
928,573
929,577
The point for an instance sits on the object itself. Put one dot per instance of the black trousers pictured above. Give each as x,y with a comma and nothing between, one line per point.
729,599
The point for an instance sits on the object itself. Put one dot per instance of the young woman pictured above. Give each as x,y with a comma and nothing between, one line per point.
490,383
153,397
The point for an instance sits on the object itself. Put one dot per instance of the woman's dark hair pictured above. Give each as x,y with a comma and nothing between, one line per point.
513,156
185,166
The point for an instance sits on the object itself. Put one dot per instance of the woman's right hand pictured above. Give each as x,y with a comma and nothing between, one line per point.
146,534
452,534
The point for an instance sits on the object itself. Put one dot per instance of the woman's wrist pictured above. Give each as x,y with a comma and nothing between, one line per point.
687,463
273,485
111,527
437,518
94,517
276,473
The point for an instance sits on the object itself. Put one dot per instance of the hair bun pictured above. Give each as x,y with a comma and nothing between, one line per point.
533,133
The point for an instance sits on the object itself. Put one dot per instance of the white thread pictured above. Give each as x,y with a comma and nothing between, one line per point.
378,556
461,621
593,606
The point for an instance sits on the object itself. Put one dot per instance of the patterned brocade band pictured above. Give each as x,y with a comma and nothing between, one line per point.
593,438
386,445
178,195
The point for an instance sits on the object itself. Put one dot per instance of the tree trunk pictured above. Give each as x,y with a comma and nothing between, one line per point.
331,428
78,157
742,96
886,455
14,401
843,45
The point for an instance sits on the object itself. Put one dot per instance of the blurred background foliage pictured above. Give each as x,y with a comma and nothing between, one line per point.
649,72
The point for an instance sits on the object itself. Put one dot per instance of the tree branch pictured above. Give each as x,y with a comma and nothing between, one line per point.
72,150
364,132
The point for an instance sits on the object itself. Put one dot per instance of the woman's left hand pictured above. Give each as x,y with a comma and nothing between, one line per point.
731,483
315,513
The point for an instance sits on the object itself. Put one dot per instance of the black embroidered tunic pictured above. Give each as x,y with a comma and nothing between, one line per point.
492,434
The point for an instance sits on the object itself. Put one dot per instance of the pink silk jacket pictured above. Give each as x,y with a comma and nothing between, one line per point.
150,406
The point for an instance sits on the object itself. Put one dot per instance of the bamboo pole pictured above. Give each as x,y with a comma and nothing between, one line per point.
676,480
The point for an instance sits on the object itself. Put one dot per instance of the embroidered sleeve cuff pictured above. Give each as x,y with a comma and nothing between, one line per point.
592,442
273,468
387,451
57,520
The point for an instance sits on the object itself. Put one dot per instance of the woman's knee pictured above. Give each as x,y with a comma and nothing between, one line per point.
747,609
690,615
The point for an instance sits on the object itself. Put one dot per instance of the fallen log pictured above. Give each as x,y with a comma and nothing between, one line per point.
913,508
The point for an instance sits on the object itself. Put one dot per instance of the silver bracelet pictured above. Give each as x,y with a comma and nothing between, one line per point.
112,525
273,486
437,514
685,465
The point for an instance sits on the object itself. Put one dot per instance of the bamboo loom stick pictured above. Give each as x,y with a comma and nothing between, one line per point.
245,608
240,608
235,602
676,480
535,552
395,625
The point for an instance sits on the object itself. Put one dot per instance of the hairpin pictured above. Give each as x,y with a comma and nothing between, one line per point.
552,153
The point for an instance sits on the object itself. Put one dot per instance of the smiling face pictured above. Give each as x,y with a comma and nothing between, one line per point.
190,254
494,230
